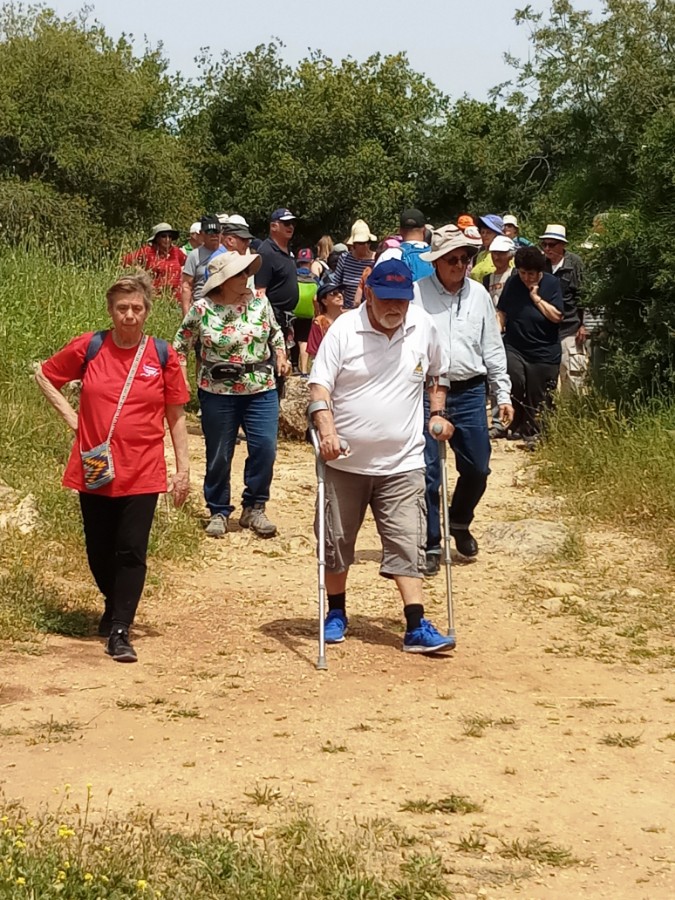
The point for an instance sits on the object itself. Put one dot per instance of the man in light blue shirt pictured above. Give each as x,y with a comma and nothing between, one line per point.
465,318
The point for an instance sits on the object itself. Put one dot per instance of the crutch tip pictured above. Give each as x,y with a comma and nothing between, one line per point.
321,664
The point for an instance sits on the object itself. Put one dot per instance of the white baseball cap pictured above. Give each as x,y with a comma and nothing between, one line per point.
511,220
195,228
503,244
238,220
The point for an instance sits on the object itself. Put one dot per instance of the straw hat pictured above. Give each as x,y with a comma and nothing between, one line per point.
448,238
361,233
554,233
227,265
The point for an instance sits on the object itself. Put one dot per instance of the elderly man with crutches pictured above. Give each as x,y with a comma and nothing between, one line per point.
366,389
464,316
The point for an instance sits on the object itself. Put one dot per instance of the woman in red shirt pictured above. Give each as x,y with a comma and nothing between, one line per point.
117,515
161,259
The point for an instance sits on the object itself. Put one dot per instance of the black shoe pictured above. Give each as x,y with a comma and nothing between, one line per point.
118,646
433,564
464,541
105,625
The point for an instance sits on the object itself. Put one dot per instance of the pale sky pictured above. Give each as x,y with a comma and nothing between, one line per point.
459,45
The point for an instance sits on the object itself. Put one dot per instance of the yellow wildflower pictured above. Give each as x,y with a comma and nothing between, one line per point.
141,884
88,876
65,832
60,875
21,845
20,880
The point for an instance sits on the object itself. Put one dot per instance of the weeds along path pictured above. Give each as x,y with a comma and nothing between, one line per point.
554,723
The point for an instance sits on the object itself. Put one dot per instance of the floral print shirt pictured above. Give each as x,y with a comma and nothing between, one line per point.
240,333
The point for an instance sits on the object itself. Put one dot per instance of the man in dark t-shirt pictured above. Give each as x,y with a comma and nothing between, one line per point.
277,276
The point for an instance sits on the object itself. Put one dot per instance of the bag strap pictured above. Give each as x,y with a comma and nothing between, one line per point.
127,385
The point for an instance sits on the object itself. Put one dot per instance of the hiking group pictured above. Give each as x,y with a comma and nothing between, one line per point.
460,333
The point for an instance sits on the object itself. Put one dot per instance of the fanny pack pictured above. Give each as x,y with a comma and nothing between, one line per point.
222,371
97,463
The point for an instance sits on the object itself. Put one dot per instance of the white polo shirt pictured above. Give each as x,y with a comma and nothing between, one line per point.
376,385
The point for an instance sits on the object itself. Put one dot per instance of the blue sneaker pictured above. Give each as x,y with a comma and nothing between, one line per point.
335,627
426,639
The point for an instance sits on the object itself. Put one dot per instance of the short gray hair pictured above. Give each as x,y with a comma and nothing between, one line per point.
140,283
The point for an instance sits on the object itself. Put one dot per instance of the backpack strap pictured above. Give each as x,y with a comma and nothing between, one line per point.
162,350
96,342
94,345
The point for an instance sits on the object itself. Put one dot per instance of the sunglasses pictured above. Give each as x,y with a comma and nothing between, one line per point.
455,260
547,244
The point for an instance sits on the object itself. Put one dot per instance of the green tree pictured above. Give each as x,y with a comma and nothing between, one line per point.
332,141
83,115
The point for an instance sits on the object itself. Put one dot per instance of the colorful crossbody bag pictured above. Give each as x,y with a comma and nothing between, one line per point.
97,463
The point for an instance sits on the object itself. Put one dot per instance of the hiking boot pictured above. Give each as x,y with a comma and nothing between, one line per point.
217,526
335,626
496,432
464,541
433,564
426,639
105,624
254,517
118,646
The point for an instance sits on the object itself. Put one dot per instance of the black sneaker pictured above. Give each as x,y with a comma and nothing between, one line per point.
433,564
105,625
464,541
119,648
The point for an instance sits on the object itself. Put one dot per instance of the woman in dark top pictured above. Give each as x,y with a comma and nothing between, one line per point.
530,311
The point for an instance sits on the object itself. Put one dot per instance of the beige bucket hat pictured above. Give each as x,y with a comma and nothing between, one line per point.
361,233
160,229
448,238
227,265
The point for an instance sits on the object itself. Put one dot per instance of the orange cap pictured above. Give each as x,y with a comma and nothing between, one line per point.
465,221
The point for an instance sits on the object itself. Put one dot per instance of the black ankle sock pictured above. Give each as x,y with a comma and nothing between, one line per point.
413,616
336,601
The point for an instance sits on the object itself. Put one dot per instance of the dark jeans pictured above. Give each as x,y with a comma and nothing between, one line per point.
532,387
222,415
116,532
471,446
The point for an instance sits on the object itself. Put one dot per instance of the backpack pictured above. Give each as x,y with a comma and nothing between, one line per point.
96,342
410,255
307,288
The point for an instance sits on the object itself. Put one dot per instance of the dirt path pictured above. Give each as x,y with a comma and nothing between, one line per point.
226,703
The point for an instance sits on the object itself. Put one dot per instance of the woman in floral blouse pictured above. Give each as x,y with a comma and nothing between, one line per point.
242,348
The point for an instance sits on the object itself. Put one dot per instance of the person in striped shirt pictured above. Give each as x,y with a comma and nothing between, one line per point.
351,265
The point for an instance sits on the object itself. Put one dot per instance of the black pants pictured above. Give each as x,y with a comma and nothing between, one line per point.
532,387
116,532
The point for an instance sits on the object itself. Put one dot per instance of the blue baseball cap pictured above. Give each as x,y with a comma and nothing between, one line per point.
282,215
391,280
493,222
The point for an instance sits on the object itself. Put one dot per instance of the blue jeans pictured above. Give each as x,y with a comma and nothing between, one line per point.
222,415
471,446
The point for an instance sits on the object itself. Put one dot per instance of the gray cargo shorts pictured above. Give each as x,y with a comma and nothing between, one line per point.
399,510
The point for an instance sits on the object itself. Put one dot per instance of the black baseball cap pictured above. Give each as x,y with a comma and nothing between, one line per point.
210,225
412,218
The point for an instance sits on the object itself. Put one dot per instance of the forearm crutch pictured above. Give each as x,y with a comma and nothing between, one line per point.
321,663
447,559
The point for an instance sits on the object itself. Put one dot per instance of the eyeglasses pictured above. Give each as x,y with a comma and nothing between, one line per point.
548,244
455,260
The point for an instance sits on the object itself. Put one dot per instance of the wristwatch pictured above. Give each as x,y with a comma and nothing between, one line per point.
440,412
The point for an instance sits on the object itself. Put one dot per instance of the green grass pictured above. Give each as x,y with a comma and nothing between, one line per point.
455,804
615,466
621,740
56,856
538,851
475,725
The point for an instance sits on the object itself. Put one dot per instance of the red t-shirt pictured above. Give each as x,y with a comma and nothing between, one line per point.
167,271
138,440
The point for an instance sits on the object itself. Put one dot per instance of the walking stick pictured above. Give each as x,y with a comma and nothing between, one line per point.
447,559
